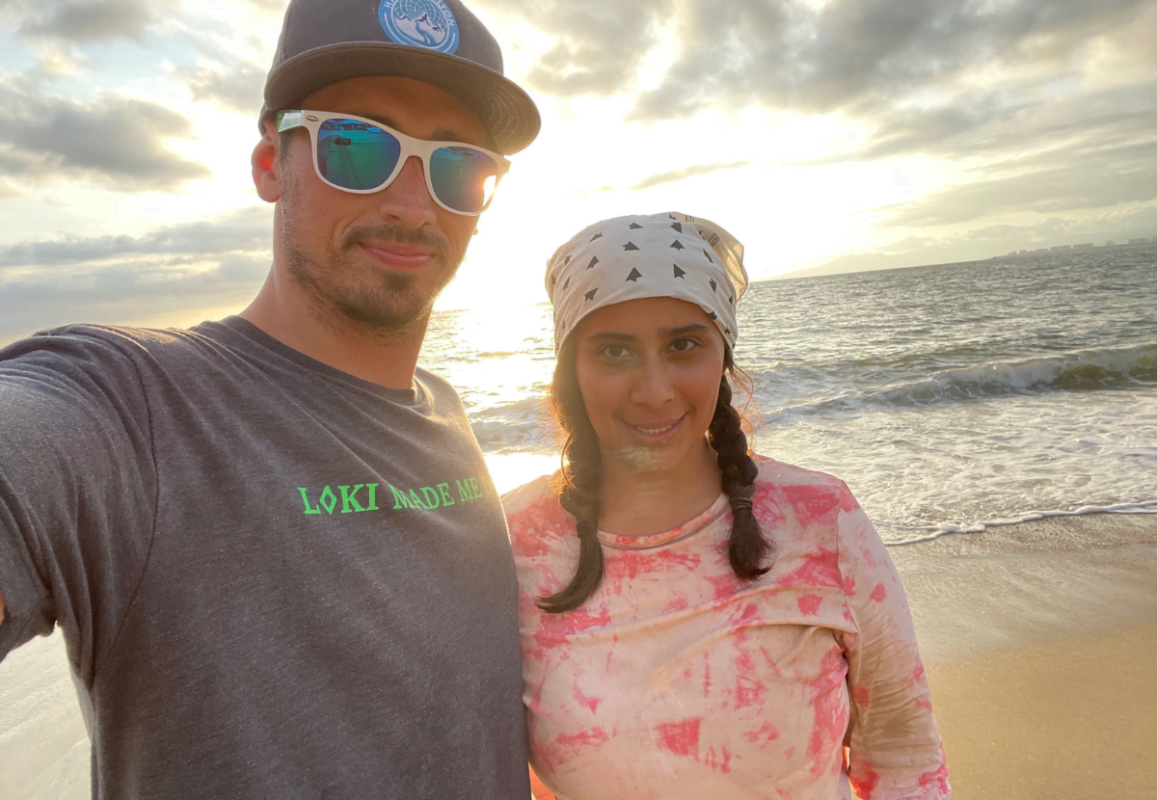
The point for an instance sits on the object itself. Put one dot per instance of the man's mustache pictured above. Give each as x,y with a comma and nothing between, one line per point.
394,233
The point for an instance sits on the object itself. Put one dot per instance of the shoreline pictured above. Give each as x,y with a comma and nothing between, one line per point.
1142,508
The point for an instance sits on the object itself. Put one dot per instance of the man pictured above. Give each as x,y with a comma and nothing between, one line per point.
271,543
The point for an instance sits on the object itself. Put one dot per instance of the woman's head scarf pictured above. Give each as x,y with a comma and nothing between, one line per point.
661,255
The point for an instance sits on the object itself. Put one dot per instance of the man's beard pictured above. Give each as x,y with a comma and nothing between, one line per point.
339,283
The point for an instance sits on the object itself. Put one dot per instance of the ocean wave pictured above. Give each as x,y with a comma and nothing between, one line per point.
519,425
928,533
1078,371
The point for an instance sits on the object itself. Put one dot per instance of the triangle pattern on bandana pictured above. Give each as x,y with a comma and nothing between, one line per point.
639,261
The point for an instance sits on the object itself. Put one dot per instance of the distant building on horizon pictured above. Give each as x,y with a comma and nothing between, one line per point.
1138,241
1062,247
1087,246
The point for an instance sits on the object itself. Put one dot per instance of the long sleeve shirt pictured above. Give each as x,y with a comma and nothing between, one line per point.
678,680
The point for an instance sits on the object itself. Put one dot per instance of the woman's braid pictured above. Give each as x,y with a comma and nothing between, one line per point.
747,548
579,492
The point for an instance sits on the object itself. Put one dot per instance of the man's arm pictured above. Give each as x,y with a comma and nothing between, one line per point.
77,489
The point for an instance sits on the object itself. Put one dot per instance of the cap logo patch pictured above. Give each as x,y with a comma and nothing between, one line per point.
420,23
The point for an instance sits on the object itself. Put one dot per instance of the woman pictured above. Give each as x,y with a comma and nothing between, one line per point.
697,622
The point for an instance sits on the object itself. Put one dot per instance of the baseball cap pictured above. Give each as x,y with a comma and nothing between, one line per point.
438,42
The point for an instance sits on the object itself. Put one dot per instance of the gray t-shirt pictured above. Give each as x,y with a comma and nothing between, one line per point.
274,579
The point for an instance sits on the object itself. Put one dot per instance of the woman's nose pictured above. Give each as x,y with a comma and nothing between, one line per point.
652,385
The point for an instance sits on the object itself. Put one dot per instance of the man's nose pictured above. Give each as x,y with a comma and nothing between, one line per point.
407,201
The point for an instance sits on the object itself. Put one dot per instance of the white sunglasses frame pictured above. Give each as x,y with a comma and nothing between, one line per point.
422,148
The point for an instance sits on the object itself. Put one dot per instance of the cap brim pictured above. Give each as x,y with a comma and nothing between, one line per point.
504,108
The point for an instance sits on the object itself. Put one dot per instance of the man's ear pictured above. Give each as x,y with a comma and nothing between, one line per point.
267,165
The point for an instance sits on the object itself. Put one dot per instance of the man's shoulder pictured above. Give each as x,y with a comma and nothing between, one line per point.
86,360
111,341
434,383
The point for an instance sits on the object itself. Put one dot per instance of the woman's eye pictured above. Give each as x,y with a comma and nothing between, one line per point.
614,351
684,345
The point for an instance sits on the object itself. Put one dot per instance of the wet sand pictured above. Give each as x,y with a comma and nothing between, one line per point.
1040,641
44,749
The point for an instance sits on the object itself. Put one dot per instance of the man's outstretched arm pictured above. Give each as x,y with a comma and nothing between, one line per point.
77,488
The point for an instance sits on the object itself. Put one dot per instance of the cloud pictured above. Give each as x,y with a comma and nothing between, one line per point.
244,231
861,57
58,60
127,294
1090,172
867,55
687,172
277,6
120,279
992,122
240,89
116,140
87,21
598,45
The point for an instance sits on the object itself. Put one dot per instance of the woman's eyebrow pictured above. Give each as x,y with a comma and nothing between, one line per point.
682,330
603,336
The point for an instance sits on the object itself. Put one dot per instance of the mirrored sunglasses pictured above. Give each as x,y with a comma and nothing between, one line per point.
362,156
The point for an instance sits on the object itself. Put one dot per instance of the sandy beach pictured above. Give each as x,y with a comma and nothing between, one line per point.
1039,640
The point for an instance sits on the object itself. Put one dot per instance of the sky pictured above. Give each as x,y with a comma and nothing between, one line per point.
888,132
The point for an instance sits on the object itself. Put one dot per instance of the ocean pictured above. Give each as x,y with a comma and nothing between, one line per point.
950,398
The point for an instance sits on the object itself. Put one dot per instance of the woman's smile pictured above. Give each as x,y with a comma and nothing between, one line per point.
658,432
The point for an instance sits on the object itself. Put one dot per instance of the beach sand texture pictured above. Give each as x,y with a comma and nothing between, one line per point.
1040,641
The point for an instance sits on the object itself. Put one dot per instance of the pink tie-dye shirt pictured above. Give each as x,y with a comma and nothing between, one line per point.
677,680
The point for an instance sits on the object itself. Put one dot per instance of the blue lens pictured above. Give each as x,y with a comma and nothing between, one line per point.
354,154
463,178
